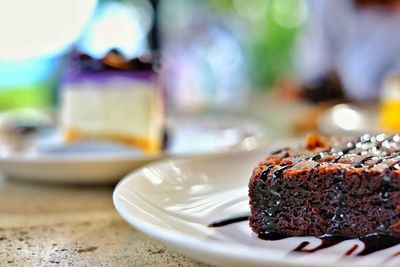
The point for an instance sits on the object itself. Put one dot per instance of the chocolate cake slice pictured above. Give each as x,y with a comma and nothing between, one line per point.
340,187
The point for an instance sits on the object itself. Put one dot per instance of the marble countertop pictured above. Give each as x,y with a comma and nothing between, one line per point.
59,225
63,225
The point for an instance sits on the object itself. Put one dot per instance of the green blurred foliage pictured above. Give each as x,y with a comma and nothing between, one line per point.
269,44
270,54
38,96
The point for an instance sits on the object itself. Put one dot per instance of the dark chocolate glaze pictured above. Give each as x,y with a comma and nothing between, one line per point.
361,162
373,242
228,221
272,236
376,242
348,149
279,151
326,242
265,172
278,173
351,251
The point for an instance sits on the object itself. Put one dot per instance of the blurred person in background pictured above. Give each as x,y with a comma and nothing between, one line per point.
347,48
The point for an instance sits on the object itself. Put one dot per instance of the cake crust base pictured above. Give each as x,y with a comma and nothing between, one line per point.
147,145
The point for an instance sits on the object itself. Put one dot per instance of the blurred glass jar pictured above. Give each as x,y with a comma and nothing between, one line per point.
390,102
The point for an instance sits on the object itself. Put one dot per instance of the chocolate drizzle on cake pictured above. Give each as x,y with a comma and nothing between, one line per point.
355,148
285,149
337,189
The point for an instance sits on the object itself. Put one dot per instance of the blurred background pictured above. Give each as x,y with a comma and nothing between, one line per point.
216,54
236,75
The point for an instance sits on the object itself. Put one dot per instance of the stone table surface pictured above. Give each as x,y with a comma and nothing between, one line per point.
59,225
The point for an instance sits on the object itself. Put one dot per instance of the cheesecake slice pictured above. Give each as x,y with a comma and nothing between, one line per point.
112,99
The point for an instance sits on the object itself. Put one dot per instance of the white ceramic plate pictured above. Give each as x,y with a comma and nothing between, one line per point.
174,201
46,158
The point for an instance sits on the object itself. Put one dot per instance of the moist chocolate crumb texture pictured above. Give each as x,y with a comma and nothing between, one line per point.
340,187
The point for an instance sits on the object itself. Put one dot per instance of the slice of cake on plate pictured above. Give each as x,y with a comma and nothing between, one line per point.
114,99
338,187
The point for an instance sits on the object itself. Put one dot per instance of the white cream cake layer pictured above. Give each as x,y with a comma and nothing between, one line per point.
117,106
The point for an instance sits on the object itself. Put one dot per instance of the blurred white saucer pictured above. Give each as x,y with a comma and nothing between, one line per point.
46,158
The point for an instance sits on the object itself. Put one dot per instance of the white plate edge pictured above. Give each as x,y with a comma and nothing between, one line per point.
216,248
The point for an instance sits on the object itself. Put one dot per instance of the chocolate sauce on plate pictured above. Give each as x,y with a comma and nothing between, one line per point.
366,145
351,251
376,242
327,241
271,236
224,222
372,242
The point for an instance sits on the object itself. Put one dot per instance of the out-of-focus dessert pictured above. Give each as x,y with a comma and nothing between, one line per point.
112,98
338,187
